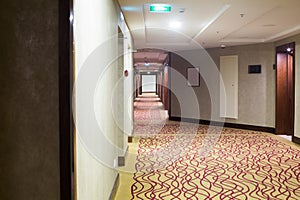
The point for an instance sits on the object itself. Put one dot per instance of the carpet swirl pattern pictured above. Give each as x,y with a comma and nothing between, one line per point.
240,165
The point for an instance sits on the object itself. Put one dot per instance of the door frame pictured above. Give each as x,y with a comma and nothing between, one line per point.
66,80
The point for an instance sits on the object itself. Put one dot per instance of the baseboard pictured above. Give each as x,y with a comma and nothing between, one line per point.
181,119
296,140
121,159
225,124
115,188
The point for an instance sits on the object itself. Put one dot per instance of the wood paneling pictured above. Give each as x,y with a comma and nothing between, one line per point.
285,94
138,85
282,103
291,96
166,88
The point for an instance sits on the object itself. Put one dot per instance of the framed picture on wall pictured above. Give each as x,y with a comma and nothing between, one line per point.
193,76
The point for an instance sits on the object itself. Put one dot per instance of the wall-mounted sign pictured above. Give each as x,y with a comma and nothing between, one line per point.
254,69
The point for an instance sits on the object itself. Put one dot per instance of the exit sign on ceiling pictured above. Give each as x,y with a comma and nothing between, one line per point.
160,8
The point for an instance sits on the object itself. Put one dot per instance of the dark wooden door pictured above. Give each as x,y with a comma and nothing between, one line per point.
284,90
166,88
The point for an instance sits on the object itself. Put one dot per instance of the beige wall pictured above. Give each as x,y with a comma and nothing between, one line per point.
256,92
295,39
100,96
29,130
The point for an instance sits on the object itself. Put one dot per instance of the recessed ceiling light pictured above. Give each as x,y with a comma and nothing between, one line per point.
175,24
130,8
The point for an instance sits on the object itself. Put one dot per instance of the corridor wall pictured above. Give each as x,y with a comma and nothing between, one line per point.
29,103
256,104
100,137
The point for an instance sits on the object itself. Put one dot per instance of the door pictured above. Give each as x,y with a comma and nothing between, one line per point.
229,74
284,123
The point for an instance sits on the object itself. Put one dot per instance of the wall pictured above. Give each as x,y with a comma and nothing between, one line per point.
295,39
29,138
128,81
99,84
255,92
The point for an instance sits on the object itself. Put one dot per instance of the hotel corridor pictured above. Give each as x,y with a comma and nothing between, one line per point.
173,160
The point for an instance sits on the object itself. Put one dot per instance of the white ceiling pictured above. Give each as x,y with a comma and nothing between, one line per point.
211,23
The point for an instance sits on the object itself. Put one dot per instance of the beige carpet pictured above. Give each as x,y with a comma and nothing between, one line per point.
187,161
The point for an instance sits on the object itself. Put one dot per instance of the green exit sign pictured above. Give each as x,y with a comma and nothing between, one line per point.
160,8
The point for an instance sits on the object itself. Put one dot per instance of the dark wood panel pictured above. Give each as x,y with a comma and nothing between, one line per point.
290,123
282,106
159,85
285,89
166,88
137,82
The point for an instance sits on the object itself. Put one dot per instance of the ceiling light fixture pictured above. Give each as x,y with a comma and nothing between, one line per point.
175,24
162,8
181,10
288,49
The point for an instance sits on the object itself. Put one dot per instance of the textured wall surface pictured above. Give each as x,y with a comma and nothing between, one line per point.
29,130
99,102
256,92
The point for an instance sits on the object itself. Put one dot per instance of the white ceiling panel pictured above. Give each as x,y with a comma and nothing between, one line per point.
211,22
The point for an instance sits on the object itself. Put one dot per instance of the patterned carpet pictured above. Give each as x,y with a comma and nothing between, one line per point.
148,108
241,165
178,161
142,115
